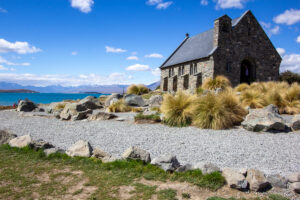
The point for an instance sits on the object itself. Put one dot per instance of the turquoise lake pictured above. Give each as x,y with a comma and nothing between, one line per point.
7,99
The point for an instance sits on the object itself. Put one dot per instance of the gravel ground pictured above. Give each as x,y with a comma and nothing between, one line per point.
235,148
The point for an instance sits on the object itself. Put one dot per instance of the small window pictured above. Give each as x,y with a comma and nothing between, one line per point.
182,69
228,67
170,72
191,69
179,70
195,68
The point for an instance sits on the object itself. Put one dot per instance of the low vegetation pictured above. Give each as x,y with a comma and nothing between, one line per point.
60,106
227,107
178,109
137,89
119,106
151,93
154,117
290,77
6,107
219,82
270,197
28,174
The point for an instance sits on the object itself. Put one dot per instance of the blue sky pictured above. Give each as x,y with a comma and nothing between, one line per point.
76,42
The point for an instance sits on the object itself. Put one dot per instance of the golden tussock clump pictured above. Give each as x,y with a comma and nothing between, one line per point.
218,111
219,82
137,89
241,87
119,106
178,109
253,98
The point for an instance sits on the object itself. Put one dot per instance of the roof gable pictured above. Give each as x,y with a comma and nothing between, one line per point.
196,47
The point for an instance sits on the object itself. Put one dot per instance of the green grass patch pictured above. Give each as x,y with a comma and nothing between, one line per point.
140,116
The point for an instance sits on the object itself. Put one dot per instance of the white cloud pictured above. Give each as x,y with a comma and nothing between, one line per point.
271,30
74,53
291,62
83,5
298,39
156,72
281,51
114,50
132,58
204,2
224,4
2,68
4,61
154,55
17,47
138,67
289,17
2,10
164,5
64,80
159,4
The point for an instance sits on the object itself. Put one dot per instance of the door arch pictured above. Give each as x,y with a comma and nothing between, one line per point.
248,72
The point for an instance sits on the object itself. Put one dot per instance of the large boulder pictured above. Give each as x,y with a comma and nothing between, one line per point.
26,106
235,179
80,148
21,141
294,177
277,181
257,180
6,136
71,110
136,153
295,187
295,124
90,102
40,144
166,162
155,101
82,115
98,153
265,119
134,100
206,168
102,116
112,96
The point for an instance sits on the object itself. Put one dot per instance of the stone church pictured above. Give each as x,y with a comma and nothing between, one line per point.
236,48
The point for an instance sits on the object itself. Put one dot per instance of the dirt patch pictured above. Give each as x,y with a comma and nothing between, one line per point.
80,191
195,192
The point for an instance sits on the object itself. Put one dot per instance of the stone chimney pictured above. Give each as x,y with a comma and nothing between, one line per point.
222,29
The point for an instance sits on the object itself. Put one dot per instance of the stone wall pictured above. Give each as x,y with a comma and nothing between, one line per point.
204,68
246,41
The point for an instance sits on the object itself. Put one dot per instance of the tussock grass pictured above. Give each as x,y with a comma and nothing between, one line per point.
253,98
218,111
241,87
137,89
178,109
119,106
140,116
219,82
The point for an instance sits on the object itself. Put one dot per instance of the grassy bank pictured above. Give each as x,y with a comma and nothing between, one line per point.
28,174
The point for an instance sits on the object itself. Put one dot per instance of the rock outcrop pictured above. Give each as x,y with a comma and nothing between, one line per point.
155,101
257,180
26,106
101,116
111,97
235,179
21,141
134,100
6,136
166,162
90,102
80,148
265,119
136,153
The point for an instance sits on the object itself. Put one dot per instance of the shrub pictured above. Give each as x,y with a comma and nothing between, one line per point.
241,87
253,98
259,86
119,106
177,109
137,89
220,111
155,118
289,77
292,99
218,82
199,91
274,97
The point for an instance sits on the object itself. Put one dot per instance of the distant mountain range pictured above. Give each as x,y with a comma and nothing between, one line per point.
105,89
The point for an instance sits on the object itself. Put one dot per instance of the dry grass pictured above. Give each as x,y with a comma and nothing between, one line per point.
6,107
137,89
178,109
218,82
61,106
241,87
253,98
119,106
218,111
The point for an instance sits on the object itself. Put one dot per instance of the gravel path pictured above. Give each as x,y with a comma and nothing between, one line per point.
271,153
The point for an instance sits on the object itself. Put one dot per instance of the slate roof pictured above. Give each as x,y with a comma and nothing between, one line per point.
196,47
